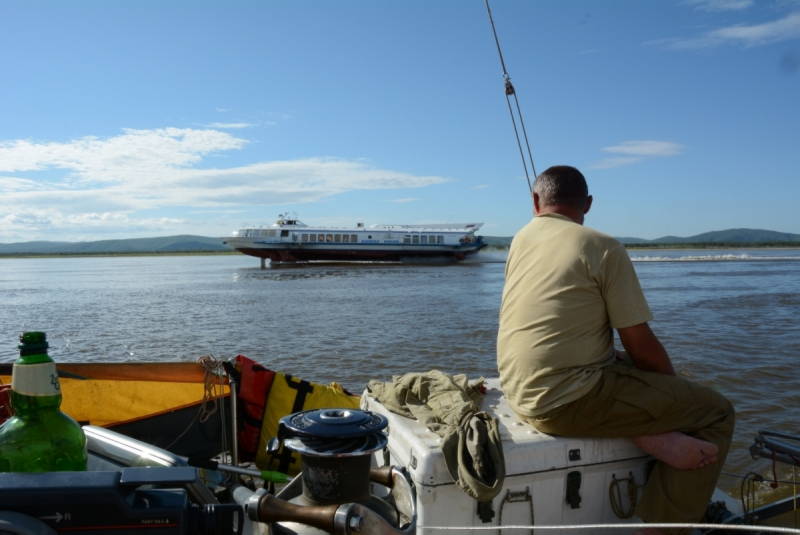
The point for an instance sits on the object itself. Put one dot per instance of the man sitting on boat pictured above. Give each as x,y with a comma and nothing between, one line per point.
566,288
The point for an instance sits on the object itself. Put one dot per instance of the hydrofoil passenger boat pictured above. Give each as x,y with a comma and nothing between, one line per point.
290,240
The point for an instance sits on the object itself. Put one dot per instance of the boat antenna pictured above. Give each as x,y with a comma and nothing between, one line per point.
514,110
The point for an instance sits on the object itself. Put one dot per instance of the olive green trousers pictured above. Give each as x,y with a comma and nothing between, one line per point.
628,402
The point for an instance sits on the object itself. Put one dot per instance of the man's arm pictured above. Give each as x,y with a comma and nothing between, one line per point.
645,350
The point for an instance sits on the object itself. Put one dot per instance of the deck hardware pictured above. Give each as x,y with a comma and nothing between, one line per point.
485,511
519,496
573,489
615,495
574,455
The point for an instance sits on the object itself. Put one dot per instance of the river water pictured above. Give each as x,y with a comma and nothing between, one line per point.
728,318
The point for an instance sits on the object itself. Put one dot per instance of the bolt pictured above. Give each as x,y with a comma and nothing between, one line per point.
354,523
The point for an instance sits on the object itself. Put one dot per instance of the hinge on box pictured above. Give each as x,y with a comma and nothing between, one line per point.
516,497
573,489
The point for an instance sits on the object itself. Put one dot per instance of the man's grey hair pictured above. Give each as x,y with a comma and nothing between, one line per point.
561,184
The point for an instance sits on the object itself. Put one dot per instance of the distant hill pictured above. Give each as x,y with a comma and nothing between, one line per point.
166,244
736,236
498,241
191,244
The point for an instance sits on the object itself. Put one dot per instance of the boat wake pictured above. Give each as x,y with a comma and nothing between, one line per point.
487,257
715,258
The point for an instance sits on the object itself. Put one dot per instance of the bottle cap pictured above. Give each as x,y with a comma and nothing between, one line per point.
33,343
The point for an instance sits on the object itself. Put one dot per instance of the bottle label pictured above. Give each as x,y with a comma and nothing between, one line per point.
35,379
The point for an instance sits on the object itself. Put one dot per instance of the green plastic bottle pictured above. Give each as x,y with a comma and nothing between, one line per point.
39,437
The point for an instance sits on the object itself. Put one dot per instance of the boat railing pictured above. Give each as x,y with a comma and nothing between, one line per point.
433,227
777,447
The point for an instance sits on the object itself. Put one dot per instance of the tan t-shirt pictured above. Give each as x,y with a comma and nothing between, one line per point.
566,287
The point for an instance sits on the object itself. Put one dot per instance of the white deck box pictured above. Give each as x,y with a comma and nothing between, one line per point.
541,470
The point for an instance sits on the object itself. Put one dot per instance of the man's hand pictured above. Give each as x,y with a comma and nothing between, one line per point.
645,350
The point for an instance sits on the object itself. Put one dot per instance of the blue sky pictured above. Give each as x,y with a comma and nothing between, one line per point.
151,118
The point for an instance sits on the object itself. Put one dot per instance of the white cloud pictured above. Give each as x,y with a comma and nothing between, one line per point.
108,182
645,148
118,158
480,186
759,34
635,151
10,184
230,126
46,223
720,5
405,200
783,29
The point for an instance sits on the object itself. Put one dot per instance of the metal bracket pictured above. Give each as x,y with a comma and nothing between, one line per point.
519,496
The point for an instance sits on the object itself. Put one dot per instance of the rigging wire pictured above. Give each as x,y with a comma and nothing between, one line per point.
514,110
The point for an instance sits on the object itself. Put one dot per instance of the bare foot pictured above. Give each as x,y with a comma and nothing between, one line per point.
679,450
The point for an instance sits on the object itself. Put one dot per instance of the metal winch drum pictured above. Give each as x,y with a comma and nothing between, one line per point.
334,490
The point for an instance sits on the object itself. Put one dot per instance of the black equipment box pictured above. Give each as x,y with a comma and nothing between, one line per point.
131,500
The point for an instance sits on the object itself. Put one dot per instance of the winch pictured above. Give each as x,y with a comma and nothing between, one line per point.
332,494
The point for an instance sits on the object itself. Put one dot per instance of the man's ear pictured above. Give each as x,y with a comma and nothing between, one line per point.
535,203
588,205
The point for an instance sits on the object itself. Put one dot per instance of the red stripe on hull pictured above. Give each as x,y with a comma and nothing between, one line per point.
345,255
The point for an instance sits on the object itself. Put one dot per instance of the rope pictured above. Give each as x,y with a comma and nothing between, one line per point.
794,496
587,527
748,491
212,368
514,111
210,404
615,496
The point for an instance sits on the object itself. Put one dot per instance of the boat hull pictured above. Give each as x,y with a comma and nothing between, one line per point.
352,254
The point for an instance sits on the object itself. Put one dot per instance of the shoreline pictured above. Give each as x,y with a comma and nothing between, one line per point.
636,246
119,253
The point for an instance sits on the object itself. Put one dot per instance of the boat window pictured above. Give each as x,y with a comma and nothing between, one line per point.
353,238
329,237
415,239
284,233
406,239
320,237
337,238
439,239
423,239
305,237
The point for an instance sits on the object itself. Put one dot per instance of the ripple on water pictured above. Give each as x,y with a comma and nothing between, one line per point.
732,325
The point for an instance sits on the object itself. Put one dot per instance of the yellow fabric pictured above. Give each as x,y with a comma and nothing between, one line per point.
566,286
106,402
281,402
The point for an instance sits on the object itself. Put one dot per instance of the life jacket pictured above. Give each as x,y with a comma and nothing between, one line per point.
267,396
255,382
